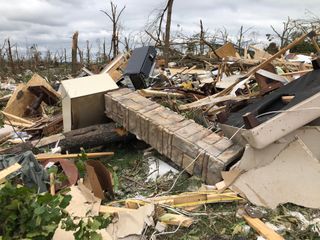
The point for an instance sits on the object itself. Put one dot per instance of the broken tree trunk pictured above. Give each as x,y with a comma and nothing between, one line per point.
167,36
74,53
10,57
93,136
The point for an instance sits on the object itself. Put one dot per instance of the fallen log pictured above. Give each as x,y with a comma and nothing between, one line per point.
93,136
73,141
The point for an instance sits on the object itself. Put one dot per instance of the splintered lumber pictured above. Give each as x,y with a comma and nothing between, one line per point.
187,199
16,121
17,149
52,186
4,173
267,61
262,229
315,44
280,52
296,73
156,93
112,210
48,140
43,157
5,99
176,219
212,100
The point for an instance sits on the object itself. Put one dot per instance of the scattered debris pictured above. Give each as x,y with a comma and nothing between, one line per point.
240,119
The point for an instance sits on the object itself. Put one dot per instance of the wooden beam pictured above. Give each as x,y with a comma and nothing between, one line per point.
113,210
315,44
156,93
296,73
43,157
213,100
262,229
4,173
12,117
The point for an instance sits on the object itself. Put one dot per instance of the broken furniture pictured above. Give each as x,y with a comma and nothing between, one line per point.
186,143
140,65
27,99
116,67
82,100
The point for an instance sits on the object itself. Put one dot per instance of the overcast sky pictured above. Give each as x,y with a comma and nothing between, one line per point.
50,23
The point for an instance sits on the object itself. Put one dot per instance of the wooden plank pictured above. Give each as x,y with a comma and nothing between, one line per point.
43,157
4,173
48,140
262,229
17,119
112,210
155,93
302,72
175,219
212,100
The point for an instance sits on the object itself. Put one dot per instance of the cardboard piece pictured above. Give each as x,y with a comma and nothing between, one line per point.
130,224
69,169
83,203
83,101
284,179
98,179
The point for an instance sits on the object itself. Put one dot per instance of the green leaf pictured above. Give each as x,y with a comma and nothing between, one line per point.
39,210
65,201
95,236
95,224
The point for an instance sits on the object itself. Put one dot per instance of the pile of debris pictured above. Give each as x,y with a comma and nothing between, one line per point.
246,126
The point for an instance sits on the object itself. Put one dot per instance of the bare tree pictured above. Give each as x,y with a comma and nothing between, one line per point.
224,35
114,17
285,33
240,40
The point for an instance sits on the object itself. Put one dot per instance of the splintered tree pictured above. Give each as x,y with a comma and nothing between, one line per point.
114,17
167,34
10,56
155,31
74,53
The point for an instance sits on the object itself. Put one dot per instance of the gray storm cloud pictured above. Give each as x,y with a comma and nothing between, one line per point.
50,23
